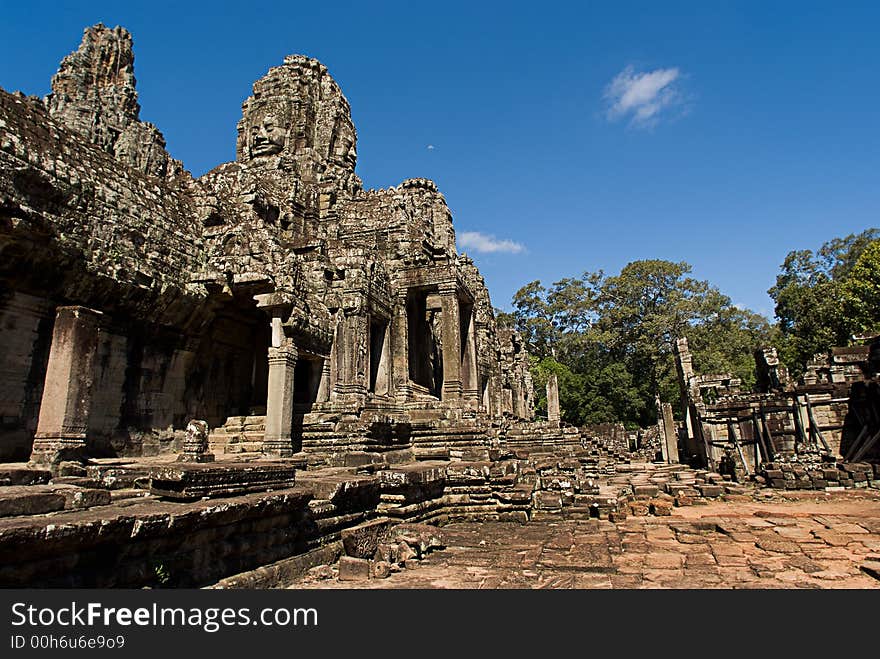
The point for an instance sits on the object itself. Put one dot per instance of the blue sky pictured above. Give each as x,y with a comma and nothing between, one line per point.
585,135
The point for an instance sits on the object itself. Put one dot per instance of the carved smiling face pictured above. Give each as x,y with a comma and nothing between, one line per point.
268,132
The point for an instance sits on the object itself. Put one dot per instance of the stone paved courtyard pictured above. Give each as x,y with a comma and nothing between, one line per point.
799,540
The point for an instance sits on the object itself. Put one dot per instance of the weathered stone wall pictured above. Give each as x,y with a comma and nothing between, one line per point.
26,325
78,225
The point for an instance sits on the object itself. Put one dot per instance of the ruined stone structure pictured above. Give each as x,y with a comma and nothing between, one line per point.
831,416
274,298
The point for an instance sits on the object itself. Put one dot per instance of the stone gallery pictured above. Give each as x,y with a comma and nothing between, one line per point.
270,376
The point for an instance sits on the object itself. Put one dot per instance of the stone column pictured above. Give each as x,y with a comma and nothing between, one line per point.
661,430
470,387
519,401
451,333
671,435
352,356
400,349
553,414
277,442
67,394
324,386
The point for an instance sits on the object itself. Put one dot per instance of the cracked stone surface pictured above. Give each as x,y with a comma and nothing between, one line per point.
798,541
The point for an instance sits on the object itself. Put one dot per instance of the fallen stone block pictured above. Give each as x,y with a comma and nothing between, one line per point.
547,500
403,553
348,492
22,475
29,500
661,507
192,480
710,490
638,508
645,490
423,537
381,570
421,473
354,569
80,497
362,541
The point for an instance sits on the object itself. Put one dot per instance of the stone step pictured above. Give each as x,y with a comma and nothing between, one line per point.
29,500
239,423
22,474
38,499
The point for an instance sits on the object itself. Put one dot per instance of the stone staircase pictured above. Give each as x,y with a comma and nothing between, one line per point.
238,434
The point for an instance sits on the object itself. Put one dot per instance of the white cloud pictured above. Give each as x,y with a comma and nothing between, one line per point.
479,242
643,97
430,147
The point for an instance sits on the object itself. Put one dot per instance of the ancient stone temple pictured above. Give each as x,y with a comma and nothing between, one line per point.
269,377
275,298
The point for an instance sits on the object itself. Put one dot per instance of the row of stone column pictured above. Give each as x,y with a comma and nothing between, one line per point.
66,402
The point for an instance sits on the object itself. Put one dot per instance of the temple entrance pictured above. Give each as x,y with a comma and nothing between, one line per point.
424,316
231,371
306,382
379,356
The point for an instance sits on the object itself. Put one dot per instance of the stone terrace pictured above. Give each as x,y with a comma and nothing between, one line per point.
795,540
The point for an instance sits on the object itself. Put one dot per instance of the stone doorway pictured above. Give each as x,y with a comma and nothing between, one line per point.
425,348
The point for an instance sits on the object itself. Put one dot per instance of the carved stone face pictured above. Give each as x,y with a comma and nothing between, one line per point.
267,135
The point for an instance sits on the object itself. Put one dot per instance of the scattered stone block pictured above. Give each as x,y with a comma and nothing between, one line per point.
354,569
710,490
362,541
381,570
29,500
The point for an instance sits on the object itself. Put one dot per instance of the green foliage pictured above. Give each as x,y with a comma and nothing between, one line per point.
161,574
821,299
861,291
610,339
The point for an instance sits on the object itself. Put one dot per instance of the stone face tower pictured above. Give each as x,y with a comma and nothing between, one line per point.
273,297
94,94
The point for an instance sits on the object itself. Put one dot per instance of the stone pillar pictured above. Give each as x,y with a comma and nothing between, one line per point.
661,431
507,401
696,440
671,436
518,399
352,356
324,386
470,375
277,441
67,394
400,349
553,414
451,333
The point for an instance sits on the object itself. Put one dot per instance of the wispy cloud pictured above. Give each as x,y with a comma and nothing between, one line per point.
644,97
430,147
480,242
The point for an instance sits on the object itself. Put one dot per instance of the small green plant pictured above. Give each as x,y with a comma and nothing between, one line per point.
161,573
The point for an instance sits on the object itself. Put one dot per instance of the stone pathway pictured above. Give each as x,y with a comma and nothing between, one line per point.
800,541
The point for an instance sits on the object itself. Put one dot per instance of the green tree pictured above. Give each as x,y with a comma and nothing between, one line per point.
861,291
811,298
610,339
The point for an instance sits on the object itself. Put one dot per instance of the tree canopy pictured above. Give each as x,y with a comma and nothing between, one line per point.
610,339
824,297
